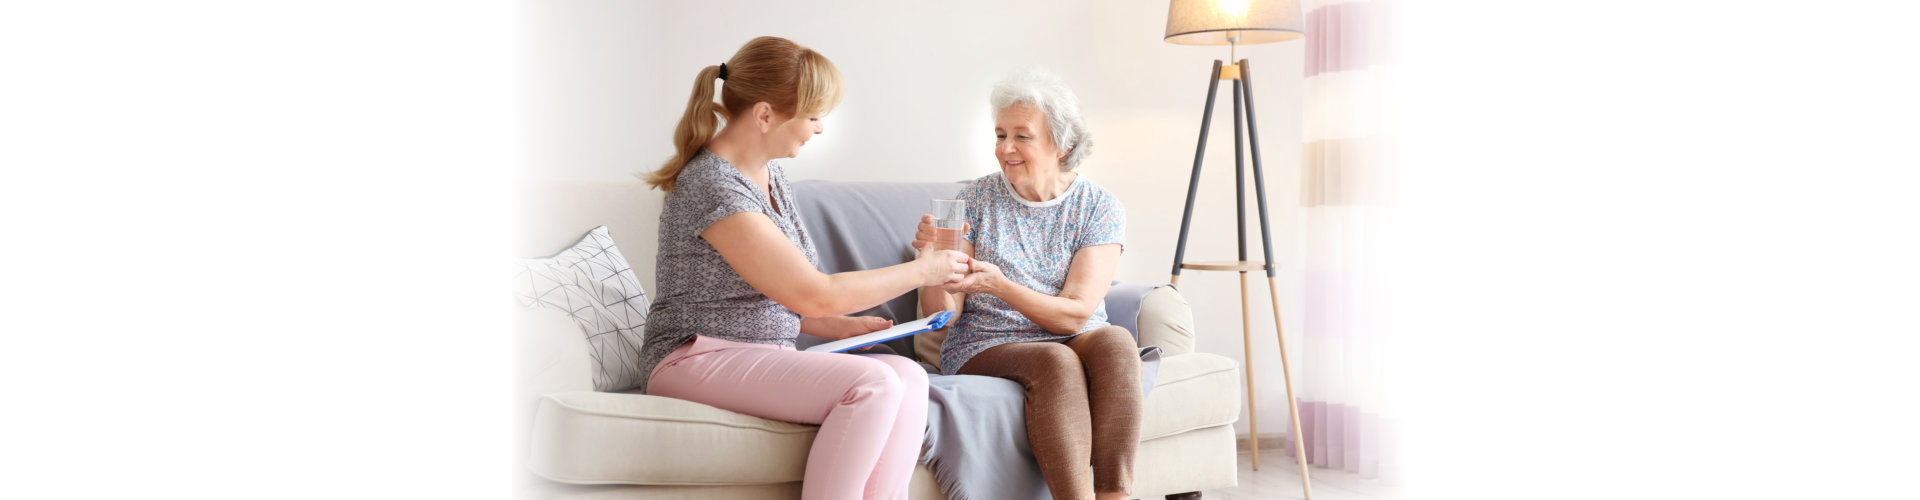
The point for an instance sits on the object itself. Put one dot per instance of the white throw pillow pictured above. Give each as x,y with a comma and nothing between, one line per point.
593,283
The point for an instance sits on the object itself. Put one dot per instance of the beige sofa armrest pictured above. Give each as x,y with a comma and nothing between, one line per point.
1166,320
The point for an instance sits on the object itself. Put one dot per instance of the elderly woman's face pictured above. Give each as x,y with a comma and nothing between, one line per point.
1023,143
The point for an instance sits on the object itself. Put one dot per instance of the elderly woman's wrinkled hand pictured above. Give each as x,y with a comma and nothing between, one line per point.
984,278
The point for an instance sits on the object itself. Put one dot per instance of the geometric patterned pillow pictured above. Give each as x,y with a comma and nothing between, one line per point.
592,282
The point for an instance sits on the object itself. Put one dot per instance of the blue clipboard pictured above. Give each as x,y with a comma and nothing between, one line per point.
923,325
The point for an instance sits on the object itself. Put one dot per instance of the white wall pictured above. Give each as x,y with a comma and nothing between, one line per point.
604,82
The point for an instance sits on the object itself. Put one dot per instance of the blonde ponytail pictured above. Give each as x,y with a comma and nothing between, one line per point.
794,80
697,126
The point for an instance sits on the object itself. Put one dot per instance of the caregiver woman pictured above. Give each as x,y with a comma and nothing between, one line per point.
738,280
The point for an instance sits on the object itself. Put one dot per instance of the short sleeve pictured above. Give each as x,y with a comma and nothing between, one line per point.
716,198
1106,224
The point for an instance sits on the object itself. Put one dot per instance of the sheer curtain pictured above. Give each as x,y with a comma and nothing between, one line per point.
1346,400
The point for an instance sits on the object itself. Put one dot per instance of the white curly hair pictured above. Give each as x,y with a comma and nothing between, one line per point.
1043,90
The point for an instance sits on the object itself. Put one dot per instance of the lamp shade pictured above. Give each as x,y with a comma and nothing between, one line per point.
1215,22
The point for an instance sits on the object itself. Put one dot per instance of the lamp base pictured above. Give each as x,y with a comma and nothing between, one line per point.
1251,140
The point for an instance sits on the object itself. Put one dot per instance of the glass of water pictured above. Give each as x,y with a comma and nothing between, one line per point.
949,219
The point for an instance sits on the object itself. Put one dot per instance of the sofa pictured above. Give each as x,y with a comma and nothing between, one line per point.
574,442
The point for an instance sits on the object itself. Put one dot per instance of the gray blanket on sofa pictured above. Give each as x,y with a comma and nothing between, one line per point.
976,442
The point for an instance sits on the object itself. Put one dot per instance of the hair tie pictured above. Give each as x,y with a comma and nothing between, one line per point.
723,71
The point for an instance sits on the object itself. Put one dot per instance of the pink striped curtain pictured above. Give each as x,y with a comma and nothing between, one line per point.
1345,401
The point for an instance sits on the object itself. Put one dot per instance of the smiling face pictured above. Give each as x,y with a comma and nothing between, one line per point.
1024,144
787,136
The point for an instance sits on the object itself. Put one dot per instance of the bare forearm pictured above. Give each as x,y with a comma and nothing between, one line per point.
840,327
1066,313
935,299
763,256
853,291
1057,314
818,326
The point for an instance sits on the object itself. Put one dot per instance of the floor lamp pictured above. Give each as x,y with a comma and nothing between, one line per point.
1231,23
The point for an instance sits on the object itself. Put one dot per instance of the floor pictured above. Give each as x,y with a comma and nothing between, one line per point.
1279,477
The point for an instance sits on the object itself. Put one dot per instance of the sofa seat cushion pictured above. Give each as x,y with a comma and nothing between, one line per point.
586,437
1194,391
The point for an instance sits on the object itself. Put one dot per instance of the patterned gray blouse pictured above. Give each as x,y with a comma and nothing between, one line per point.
699,294
1034,243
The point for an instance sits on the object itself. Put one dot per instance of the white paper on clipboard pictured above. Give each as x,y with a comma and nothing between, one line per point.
922,325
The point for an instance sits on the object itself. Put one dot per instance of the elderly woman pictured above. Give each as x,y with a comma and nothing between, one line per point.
1045,243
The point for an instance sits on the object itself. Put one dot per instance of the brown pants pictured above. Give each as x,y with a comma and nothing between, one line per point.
1083,406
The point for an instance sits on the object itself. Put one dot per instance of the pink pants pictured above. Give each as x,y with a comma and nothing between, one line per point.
872,409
